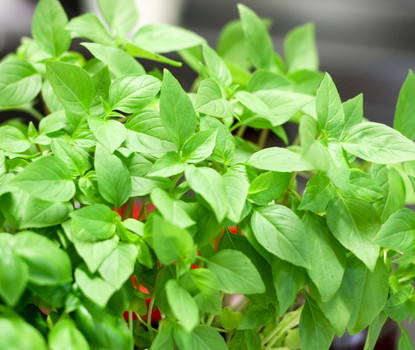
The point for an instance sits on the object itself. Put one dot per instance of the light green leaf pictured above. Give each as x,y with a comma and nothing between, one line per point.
206,281
236,189
338,168
13,140
176,110
405,108
353,112
89,26
168,165
139,52
257,40
209,100
405,341
144,143
329,108
72,85
268,186
300,48
216,67
171,209
182,304
48,27
279,159
72,157
235,273
119,62
93,223
374,331
48,178
48,265
209,184
110,133
378,143
114,180
355,223
399,305
199,146
363,186
162,38
121,15
133,92
281,232
20,83
318,194
66,335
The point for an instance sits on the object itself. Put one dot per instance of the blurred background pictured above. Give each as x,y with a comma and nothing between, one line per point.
367,46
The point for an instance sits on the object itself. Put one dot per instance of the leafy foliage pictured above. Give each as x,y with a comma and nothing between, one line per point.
131,195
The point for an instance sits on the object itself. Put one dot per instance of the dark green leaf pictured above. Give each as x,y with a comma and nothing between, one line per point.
398,305
374,331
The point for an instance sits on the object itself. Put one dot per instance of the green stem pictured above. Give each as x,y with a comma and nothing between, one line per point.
235,126
241,131
130,321
263,136
33,112
210,320
287,192
366,166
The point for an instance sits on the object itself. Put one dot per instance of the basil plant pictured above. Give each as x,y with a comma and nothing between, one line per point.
136,215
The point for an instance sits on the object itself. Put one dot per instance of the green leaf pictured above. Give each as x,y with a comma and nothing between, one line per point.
257,316
363,186
206,281
65,334
171,209
279,159
225,143
168,165
210,185
133,92
329,108
328,258
48,179
281,232
405,108
216,67
11,330
268,186
374,331
300,48
371,291
71,156
109,132
72,85
89,26
209,100
13,274
139,52
398,305
338,168
170,242
143,143
182,305
207,338
398,232
405,341
235,273
353,112
316,331
318,194
236,189
257,40
378,143
119,62
288,280
20,83
230,319
355,223
94,287
114,180
176,110
199,146
162,38
48,265
121,15
13,140
119,265
164,339
93,223
48,27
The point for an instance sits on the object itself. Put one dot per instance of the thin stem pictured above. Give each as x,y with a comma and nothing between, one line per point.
235,126
210,319
366,166
222,330
130,321
241,131
33,112
270,336
149,313
263,136
287,192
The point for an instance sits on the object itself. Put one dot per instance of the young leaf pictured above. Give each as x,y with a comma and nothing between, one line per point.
73,158
300,48
20,83
182,304
176,110
209,100
48,179
235,273
318,194
133,92
405,108
89,26
72,85
66,334
338,168
363,186
405,341
168,165
114,180
210,185
199,146
281,232
48,27
236,188
374,331
257,40
355,223
378,143
13,140
217,68
121,15
279,159
139,52
316,331
353,112
109,132
398,305
329,108
162,38
119,62
268,186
